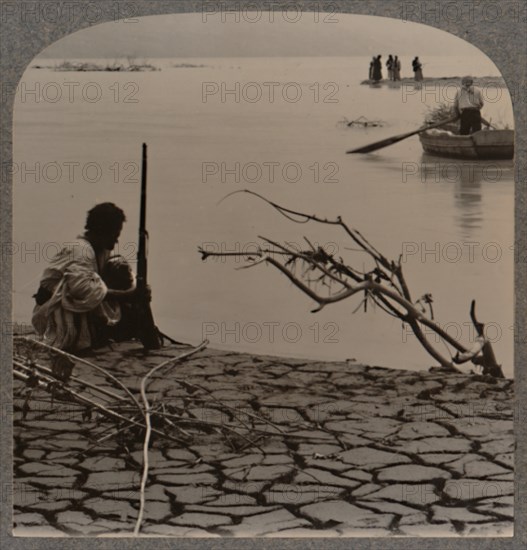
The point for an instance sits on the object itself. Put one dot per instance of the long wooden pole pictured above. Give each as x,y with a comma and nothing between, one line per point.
395,139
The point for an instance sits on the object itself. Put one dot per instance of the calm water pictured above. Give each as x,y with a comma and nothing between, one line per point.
453,221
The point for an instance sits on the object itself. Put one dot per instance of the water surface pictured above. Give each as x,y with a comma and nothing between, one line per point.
453,220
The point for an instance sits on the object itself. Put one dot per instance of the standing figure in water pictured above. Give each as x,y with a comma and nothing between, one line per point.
372,65
389,66
418,69
396,68
377,69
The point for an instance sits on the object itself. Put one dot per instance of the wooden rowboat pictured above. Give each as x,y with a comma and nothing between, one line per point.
483,145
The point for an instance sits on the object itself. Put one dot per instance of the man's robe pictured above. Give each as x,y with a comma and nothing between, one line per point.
77,301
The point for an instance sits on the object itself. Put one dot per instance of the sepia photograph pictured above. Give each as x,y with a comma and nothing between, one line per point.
263,279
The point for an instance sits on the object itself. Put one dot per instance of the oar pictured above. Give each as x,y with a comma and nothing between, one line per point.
488,124
391,140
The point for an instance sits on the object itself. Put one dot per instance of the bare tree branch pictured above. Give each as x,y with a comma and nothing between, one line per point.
384,284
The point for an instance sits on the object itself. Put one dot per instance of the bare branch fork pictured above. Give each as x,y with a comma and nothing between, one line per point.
383,286
148,421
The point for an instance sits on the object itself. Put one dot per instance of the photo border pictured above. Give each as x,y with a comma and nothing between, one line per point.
503,39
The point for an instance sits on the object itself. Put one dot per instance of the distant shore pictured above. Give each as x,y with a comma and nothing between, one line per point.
86,66
480,81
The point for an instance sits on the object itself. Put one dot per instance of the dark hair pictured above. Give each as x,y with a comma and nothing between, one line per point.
104,217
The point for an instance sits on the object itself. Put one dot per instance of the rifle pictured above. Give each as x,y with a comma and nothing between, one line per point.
147,331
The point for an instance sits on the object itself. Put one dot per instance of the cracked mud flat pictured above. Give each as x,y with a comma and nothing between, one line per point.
357,451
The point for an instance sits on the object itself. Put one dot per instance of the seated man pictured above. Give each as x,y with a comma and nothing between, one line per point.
74,304
468,105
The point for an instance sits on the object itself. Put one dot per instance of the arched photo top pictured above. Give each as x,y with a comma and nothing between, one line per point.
282,32
362,168
420,52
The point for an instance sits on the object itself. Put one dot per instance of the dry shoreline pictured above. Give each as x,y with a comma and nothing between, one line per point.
356,451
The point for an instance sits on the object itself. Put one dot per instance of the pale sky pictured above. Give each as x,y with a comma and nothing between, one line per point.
217,35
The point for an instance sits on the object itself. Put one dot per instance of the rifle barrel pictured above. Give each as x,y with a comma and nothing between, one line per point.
147,331
141,253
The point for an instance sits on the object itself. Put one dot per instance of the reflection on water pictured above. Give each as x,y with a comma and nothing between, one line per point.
468,179
467,197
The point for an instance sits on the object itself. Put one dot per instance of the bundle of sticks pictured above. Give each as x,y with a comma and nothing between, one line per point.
47,375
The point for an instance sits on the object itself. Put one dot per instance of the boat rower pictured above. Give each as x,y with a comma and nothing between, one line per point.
468,105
